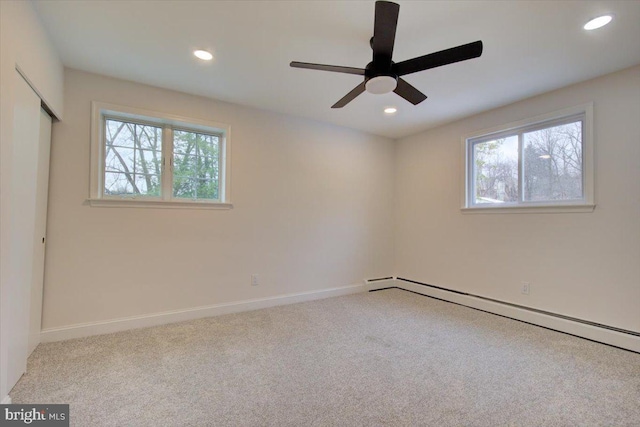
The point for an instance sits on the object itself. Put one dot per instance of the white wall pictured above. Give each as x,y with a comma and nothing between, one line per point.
23,44
311,211
585,265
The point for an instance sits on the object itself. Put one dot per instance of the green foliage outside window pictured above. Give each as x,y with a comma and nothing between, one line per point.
133,162
195,165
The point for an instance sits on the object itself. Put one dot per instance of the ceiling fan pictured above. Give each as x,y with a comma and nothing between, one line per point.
382,75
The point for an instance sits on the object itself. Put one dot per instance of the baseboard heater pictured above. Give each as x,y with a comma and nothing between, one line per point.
380,284
606,334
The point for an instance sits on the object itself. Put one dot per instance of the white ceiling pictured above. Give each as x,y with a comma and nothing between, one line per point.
530,47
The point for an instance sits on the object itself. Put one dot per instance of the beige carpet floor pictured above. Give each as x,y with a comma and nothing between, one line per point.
383,358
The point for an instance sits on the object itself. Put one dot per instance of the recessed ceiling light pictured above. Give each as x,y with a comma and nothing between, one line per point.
203,54
545,156
390,110
598,22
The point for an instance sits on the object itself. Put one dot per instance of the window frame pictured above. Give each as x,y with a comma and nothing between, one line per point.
568,115
101,112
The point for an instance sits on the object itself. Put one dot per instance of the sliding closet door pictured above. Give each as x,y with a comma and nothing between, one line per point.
24,181
42,193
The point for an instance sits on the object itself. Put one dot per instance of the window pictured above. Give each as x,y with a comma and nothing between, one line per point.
542,164
143,159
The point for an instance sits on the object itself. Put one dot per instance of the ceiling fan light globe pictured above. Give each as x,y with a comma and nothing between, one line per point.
203,55
598,22
381,85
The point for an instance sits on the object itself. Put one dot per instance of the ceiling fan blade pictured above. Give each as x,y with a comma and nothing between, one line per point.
437,59
384,31
409,92
350,96
333,68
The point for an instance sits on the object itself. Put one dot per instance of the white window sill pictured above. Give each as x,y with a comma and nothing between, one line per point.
157,204
582,208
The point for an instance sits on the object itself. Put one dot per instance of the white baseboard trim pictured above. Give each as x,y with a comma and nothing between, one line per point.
595,333
6,400
145,321
377,284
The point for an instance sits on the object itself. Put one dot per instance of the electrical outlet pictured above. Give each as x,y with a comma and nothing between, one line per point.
255,280
526,287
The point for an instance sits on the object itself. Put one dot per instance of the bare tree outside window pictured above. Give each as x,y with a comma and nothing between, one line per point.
133,159
553,163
